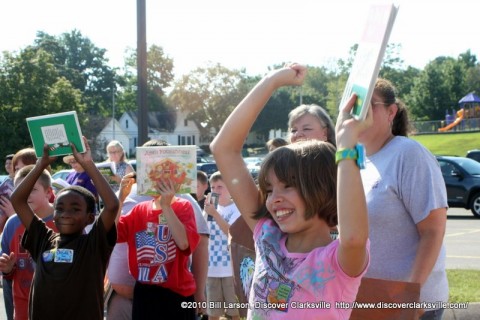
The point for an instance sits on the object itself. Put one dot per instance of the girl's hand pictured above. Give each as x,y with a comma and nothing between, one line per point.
167,189
348,129
292,74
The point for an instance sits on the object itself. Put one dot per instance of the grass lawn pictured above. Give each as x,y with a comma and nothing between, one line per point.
450,143
464,285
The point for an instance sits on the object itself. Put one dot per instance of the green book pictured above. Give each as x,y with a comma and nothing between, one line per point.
57,130
368,58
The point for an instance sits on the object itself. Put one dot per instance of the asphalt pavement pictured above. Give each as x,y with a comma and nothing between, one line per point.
462,240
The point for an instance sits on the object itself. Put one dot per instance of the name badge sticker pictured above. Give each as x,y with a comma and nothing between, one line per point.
64,256
47,256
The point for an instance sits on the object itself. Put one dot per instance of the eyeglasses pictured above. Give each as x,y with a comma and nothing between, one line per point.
72,162
375,103
113,152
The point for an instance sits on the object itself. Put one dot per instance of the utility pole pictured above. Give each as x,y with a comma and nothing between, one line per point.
142,72
113,112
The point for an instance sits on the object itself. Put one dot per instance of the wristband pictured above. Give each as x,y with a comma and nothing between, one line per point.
357,153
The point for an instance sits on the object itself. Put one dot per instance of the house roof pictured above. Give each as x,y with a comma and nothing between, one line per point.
160,121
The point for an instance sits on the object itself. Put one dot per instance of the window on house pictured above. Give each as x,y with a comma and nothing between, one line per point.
126,124
185,122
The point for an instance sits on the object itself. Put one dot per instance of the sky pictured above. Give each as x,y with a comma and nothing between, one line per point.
246,34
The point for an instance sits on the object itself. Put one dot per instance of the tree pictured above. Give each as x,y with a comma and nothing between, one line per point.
437,89
159,78
209,95
84,65
31,85
274,115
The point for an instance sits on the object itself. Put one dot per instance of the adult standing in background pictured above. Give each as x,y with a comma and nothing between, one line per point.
407,202
116,154
79,177
310,122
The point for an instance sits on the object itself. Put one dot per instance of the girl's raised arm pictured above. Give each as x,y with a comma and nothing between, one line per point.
227,145
351,204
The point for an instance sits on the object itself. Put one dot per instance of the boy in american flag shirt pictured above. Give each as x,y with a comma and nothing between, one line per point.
161,234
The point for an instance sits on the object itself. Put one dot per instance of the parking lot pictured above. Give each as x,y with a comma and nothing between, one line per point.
462,240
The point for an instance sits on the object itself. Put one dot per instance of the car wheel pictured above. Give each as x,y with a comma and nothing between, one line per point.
475,205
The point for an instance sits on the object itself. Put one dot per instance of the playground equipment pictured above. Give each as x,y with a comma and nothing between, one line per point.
454,123
470,109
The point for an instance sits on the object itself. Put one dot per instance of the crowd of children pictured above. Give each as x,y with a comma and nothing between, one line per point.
168,255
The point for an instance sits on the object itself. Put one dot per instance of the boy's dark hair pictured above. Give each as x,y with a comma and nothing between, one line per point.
9,156
86,194
202,177
308,166
155,143
45,179
216,176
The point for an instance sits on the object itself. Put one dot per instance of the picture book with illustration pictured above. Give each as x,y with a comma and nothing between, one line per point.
178,163
107,169
6,189
57,130
368,58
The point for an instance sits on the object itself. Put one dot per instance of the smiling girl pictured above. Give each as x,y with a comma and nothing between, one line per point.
300,193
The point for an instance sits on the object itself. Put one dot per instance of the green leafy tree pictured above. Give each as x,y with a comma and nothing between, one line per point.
209,94
437,89
84,65
159,77
31,85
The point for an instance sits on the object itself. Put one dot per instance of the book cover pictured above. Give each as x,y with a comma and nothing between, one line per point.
175,162
368,58
6,189
59,184
107,169
57,130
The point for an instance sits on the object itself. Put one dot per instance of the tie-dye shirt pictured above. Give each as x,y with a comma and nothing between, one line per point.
298,285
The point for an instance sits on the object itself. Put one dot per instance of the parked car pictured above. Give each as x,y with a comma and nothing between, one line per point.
253,165
61,174
209,168
462,179
474,154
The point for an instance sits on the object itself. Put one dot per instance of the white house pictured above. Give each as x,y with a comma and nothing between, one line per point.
113,131
126,130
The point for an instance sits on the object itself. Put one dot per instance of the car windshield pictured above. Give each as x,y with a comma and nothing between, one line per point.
471,166
255,161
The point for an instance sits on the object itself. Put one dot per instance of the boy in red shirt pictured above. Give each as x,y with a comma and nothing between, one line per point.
161,234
